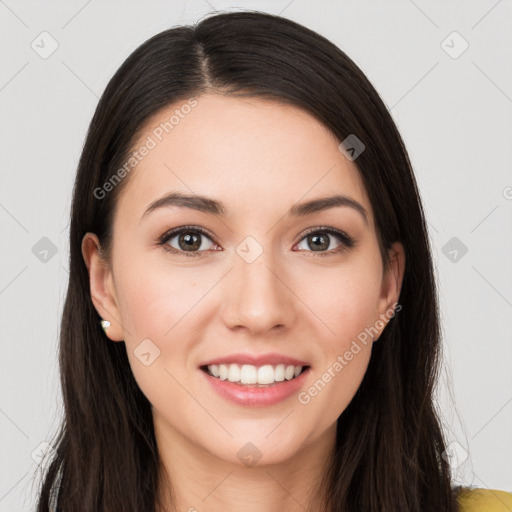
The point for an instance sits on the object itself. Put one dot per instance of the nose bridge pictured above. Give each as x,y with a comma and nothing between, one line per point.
258,298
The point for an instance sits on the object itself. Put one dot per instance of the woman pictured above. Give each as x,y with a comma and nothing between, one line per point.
251,320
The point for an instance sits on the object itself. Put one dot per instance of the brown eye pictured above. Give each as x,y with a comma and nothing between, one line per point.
319,241
187,240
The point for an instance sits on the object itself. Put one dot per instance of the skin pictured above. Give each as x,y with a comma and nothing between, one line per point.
259,158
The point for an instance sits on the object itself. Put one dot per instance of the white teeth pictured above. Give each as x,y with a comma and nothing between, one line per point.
279,373
266,374
288,373
249,374
223,371
234,373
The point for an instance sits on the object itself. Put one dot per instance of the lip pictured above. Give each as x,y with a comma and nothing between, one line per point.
272,358
252,396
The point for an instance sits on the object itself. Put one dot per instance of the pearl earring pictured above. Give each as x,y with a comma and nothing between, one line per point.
105,324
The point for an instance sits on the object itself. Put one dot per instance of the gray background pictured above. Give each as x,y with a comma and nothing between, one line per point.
453,110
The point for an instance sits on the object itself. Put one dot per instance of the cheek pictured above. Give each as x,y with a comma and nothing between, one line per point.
344,351
342,303
167,305
158,304
153,297
344,300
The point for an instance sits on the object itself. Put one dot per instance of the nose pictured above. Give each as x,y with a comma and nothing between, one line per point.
256,296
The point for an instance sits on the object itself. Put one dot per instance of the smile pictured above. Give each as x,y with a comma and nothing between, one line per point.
250,375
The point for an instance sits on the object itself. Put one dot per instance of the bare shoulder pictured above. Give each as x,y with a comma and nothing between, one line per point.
484,500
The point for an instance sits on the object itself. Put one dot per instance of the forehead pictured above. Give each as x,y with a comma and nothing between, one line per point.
248,152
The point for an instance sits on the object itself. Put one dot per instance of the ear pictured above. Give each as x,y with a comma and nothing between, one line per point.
103,294
391,286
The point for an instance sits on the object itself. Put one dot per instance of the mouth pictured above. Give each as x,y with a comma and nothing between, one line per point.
248,375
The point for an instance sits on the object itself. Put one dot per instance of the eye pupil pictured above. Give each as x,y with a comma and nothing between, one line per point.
319,246
188,241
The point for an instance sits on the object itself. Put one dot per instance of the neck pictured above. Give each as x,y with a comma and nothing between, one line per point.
196,480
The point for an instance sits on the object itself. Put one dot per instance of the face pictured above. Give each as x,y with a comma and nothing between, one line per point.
257,278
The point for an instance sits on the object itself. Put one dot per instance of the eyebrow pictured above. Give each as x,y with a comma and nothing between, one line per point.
217,208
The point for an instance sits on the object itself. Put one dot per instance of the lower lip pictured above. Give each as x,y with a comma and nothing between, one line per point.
253,396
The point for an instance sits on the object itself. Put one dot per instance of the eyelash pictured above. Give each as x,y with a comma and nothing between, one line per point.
347,242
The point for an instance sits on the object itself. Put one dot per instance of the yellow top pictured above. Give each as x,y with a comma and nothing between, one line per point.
484,500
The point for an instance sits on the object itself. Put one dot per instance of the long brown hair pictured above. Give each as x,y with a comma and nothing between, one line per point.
388,454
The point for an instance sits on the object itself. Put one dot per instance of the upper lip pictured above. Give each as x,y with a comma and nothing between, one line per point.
257,360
